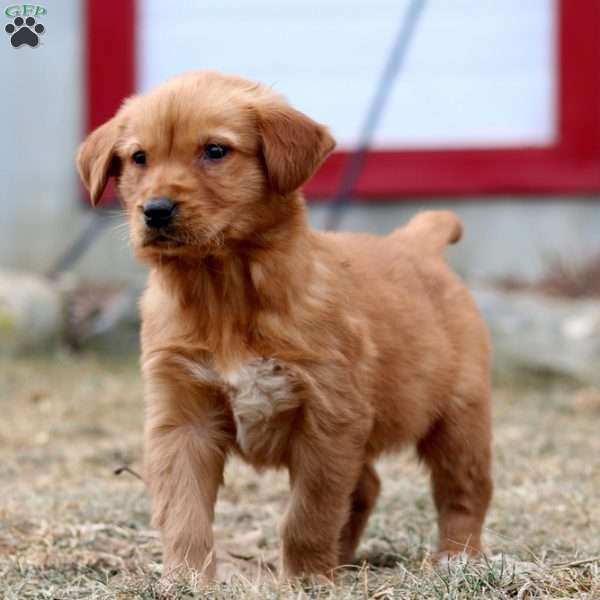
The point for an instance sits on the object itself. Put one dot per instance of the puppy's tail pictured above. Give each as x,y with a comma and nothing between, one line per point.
431,230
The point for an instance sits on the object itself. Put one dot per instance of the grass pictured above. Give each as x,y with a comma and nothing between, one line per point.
70,528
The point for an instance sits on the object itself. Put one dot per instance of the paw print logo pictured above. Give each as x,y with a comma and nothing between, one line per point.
24,32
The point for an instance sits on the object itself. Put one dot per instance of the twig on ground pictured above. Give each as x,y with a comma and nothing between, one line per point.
576,563
126,469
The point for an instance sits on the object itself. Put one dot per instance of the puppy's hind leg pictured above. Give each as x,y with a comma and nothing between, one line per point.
457,450
363,501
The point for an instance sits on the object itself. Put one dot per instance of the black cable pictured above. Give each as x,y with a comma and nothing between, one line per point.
354,164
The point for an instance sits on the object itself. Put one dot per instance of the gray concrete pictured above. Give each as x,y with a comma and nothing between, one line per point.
503,237
516,237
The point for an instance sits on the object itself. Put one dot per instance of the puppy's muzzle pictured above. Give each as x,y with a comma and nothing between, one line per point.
158,212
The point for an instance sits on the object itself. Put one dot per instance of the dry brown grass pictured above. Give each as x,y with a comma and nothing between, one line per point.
70,528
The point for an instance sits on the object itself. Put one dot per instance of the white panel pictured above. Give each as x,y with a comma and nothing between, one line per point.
42,104
478,73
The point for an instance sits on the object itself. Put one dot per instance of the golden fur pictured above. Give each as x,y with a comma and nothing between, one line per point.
294,348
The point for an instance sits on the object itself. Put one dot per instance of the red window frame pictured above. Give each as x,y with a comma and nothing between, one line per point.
570,165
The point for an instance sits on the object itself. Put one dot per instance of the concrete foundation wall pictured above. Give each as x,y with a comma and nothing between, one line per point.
517,238
503,236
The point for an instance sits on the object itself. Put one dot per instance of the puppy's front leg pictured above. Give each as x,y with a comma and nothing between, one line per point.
323,477
187,436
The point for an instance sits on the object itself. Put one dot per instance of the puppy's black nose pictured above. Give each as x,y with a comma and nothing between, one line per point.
158,212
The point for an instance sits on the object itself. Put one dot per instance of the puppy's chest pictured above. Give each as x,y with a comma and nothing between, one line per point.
264,397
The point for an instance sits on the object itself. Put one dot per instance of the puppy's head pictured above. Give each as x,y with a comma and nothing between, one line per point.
203,162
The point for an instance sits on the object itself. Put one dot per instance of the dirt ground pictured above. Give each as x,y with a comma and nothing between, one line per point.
71,528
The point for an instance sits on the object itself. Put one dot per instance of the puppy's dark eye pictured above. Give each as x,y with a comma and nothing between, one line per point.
139,157
215,151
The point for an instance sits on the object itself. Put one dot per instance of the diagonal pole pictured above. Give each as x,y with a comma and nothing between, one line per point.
354,164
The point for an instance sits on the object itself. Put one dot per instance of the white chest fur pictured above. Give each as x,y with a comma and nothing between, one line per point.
263,395
260,391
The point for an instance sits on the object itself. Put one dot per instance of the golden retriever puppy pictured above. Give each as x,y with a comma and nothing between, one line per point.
293,348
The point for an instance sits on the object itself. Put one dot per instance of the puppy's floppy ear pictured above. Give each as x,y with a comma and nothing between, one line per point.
293,145
96,158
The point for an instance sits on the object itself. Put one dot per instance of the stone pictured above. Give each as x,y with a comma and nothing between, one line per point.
543,333
31,312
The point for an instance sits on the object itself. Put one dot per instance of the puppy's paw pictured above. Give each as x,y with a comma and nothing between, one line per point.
177,577
183,580
451,561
